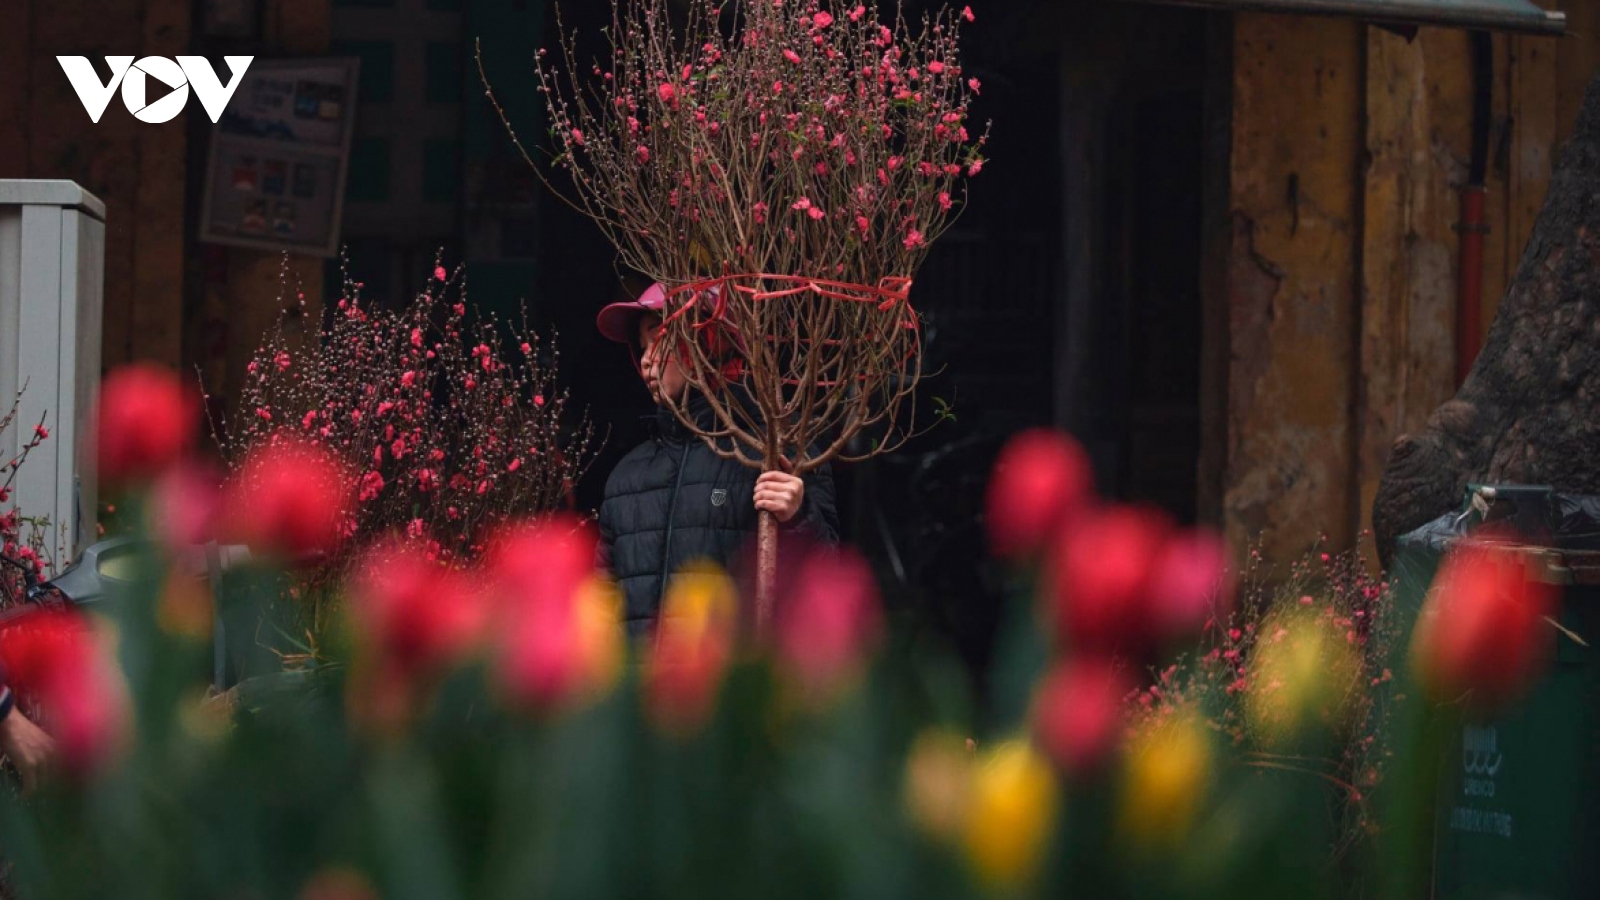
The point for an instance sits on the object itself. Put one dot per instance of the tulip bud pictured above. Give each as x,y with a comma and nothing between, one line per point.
937,784
338,884
693,643
1041,479
415,614
288,497
1102,578
1166,780
1011,815
1190,584
1077,713
827,620
144,423
1482,635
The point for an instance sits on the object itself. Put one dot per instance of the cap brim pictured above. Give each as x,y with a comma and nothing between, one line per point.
620,322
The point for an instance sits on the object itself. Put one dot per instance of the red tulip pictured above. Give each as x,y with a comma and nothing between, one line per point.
827,621
560,633
144,423
1189,584
1077,713
1103,572
1482,635
288,497
55,661
1041,479
417,615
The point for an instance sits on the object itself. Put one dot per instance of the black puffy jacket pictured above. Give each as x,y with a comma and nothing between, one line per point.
673,501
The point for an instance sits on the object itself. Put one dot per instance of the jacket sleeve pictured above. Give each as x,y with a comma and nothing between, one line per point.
819,514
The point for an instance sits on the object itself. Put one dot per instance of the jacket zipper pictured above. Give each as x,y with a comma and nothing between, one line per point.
672,513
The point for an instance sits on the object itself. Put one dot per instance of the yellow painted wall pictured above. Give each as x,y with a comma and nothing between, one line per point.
1350,145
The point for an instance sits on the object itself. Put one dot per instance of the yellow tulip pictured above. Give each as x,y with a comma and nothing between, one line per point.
1303,671
938,783
1166,779
1011,814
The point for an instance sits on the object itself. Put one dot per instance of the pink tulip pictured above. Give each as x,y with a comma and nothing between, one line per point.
1041,480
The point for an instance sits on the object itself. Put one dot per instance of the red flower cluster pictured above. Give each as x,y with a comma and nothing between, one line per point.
812,107
439,427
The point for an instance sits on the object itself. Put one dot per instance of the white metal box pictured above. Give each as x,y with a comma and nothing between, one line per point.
52,277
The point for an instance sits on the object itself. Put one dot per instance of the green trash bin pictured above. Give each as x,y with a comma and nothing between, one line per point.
1518,803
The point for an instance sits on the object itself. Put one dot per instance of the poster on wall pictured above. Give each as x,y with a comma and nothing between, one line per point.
279,158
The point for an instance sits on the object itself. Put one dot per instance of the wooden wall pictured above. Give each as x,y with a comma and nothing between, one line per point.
139,170
1349,145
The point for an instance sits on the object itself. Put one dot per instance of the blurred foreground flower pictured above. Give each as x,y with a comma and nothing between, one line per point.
288,497
560,623
938,783
1482,637
184,506
1041,480
413,614
693,643
1102,577
1191,585
828,619
55,659
1011,814
1166,780
1077,714
144,423
338,884
1303,671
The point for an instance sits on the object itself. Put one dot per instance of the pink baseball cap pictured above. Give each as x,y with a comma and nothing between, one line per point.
620,321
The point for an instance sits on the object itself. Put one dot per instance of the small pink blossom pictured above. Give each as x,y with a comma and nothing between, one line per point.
967,14
976,85
857,13
791,56
944,201
577,137
822,19
668,92
803,203
416,337
41,432
936,67
439,274
914,239
643,154
514,465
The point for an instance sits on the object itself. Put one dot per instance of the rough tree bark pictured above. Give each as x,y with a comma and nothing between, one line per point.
1529,412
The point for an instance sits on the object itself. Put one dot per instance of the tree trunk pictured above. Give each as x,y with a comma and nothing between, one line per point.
1529,412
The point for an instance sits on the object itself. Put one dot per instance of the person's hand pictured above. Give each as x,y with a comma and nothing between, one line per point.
780,493
27,746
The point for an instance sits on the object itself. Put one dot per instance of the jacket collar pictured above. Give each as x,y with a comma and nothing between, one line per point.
668,427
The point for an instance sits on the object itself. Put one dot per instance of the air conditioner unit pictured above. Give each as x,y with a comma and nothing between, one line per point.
52,277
